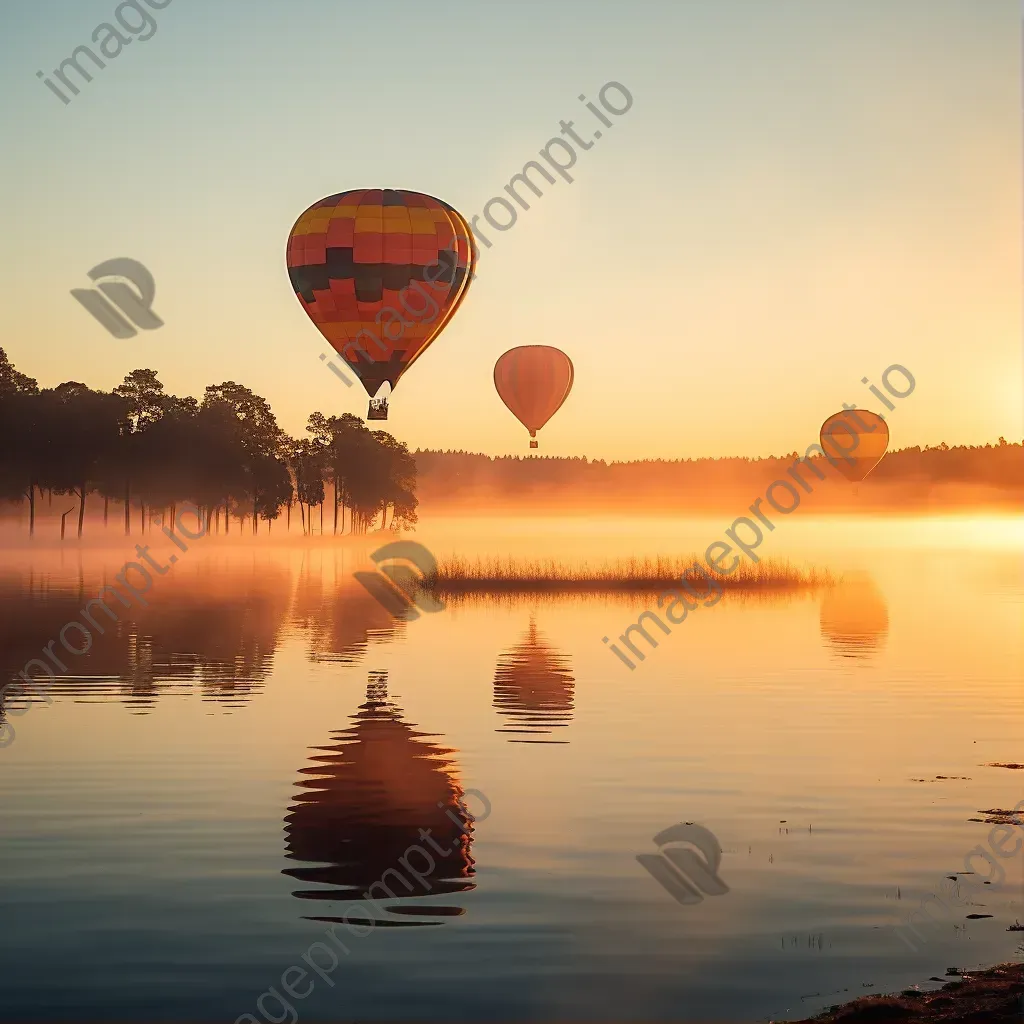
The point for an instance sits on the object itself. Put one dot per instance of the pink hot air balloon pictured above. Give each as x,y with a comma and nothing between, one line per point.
533,381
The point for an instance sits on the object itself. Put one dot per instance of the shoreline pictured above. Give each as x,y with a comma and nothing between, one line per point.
991,996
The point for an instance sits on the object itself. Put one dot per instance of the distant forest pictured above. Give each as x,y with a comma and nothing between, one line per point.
933,478
137,451
149,451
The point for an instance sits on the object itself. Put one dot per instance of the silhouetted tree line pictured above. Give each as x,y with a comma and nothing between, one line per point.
447,476
226,454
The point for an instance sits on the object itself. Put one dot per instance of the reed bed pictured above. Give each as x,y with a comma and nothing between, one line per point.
511,575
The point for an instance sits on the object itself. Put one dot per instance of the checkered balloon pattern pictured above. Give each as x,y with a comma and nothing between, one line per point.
380,272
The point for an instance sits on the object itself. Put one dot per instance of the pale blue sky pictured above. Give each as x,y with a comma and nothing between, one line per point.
804,192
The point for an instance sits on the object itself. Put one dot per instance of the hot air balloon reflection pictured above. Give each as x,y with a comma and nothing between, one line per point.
380,272
363,804
533,689
856,441
854,617
533,381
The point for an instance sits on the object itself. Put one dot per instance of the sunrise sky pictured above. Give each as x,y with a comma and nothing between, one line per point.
803,193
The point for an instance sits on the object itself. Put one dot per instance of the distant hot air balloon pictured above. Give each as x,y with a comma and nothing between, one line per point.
533,381
855,441
380,272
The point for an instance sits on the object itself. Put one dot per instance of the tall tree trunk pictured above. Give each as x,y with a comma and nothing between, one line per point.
302,510
288,521
106,506
31,510
127,509
321,518
335,509
142,517
81,509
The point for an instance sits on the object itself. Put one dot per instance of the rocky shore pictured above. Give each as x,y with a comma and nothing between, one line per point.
995,996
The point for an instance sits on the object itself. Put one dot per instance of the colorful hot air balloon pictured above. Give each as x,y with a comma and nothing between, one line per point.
380,272
533,381
855,442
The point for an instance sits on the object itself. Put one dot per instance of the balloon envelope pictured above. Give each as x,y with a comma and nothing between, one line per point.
380,272
855,442
533,381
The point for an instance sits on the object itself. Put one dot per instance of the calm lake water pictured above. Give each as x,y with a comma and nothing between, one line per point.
230,768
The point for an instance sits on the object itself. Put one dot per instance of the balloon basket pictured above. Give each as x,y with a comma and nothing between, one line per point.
377,411
533,444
